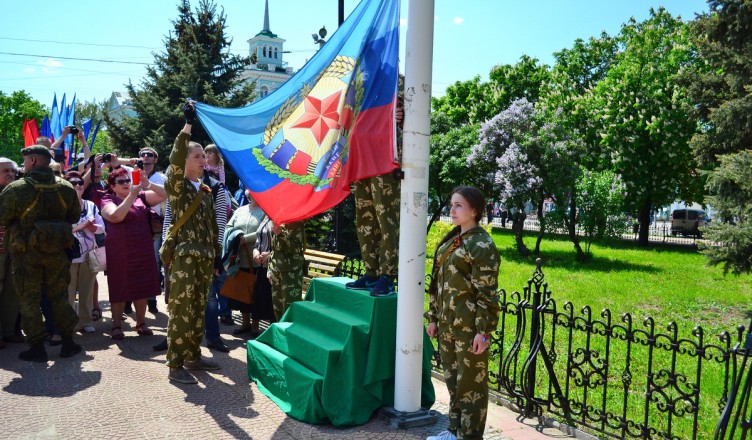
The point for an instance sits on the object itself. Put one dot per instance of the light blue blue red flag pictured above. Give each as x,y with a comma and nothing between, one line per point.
331,124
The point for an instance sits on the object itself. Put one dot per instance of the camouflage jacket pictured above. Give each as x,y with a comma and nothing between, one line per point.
198,237
39,196
288,248
466,299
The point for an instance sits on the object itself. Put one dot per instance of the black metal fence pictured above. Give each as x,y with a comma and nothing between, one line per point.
659,232
613,376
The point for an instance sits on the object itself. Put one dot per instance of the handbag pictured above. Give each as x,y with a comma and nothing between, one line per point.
241,285
97,259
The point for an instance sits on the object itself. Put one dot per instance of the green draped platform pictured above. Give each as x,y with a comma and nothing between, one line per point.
331,358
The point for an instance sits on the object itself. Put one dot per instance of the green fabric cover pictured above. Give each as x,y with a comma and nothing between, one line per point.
331,358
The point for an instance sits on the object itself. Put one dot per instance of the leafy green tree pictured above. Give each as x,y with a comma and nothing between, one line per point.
644,112
448,162
730,186
195,64
720,82
720,88
13,108
475,101
600,198
564,99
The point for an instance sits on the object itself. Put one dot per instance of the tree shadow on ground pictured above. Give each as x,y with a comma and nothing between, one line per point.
566,260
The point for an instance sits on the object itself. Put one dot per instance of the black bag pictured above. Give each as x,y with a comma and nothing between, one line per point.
74,251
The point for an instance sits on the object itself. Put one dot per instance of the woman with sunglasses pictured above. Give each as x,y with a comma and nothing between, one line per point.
132,272
82,278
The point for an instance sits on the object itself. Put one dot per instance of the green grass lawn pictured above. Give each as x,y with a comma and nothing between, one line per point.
667,283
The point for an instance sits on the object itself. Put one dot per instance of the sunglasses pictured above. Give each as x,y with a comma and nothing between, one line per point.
122,182
76,182
147,154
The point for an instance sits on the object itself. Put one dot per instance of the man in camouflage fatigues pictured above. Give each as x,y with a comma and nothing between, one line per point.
464,305
287,266
377,225
38,211
192,267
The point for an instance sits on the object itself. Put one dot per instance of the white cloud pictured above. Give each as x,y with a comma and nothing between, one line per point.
51,63
30,70
458,20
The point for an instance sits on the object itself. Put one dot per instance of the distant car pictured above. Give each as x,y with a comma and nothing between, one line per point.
688,222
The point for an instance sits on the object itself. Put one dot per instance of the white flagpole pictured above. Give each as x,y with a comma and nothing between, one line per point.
413,206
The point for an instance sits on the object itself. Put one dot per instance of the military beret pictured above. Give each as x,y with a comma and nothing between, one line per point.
35,149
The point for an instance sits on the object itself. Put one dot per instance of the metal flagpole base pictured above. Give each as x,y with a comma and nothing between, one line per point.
405,420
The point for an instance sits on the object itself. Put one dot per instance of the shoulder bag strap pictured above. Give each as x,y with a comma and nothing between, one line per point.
188,213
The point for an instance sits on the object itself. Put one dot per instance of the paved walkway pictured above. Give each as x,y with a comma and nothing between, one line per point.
119,390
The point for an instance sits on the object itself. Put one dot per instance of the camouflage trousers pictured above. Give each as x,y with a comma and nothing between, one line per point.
466,376
190,278
377,223
35,274
287,286
8,299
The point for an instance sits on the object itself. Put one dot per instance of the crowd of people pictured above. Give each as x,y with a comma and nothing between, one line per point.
169,233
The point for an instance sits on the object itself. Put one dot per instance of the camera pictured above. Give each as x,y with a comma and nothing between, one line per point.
140,164
73,129
106,157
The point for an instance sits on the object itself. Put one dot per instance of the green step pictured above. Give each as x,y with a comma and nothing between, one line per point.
294,388
292,339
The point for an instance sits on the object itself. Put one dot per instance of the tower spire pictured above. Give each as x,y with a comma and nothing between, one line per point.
266,17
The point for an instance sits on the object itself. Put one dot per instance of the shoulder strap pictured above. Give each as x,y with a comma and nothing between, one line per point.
188,212
43,187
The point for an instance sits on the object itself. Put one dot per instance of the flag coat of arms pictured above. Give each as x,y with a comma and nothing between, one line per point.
331,124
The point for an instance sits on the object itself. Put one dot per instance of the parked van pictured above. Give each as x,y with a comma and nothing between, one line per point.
688,221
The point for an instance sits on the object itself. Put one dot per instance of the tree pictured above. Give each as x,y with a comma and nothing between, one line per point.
195,64
730,186
13,109
564,100
644,112
720,88
600,197
530,160
450,147
474,101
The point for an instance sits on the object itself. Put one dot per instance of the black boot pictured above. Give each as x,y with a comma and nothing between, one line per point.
69,347
36,353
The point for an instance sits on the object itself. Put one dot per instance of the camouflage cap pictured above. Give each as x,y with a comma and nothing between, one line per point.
36,149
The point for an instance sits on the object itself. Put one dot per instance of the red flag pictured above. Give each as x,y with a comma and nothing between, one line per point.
30,132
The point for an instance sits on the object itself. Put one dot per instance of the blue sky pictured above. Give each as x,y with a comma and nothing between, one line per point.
470,36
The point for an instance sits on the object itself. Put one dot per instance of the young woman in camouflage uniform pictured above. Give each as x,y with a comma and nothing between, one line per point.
464,310
192,269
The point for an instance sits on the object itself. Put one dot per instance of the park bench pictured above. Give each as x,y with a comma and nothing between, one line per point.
320,265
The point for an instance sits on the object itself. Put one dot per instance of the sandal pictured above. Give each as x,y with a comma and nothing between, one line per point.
143,330
117,333
96,314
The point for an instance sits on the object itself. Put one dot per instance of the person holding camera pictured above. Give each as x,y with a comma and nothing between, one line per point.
134,277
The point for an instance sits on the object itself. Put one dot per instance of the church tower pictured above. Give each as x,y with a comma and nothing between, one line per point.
267,67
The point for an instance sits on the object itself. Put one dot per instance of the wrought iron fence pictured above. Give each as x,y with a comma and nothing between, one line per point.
613,376
657,233
610,376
